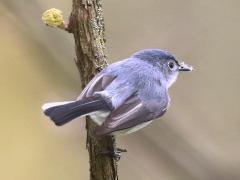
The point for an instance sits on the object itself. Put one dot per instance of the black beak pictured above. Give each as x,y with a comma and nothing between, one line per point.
184,67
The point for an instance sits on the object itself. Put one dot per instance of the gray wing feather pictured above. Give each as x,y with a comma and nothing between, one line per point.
98,83
133,112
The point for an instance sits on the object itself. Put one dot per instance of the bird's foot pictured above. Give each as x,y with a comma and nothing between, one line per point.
116,153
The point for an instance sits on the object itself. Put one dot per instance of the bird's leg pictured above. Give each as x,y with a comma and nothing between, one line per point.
116,153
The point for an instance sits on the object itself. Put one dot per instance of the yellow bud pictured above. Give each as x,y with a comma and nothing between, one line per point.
53,17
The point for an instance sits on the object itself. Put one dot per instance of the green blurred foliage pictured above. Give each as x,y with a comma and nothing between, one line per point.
197,139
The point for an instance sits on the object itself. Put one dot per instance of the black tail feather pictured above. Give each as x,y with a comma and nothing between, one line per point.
62,114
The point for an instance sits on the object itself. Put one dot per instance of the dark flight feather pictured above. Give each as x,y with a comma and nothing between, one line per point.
62,114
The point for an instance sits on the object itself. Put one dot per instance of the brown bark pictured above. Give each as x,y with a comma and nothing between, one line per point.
86,24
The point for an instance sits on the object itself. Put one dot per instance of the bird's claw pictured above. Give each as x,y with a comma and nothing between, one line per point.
116,153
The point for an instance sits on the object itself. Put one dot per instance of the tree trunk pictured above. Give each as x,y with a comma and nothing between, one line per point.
86,24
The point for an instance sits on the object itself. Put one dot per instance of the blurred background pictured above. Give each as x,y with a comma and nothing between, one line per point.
197,139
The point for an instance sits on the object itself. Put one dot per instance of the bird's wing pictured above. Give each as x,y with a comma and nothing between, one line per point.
131,113
98,83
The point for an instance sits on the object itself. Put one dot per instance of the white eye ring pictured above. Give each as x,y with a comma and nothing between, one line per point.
171,65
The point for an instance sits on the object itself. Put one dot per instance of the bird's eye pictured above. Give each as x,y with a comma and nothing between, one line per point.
171,65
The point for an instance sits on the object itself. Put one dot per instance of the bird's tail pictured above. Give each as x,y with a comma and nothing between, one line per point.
62,112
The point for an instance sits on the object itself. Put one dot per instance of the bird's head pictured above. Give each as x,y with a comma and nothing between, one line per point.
165,61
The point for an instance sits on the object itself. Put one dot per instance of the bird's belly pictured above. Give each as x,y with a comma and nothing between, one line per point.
132,129
99,116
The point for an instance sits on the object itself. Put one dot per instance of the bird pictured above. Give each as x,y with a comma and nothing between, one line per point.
125,96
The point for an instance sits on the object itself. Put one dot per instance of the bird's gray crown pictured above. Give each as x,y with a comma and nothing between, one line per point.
153,54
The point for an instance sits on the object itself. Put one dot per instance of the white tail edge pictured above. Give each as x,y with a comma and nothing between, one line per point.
52,104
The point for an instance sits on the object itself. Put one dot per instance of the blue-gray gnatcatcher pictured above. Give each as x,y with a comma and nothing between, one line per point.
125,96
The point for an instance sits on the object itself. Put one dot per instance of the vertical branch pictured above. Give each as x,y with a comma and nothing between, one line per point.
87,25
